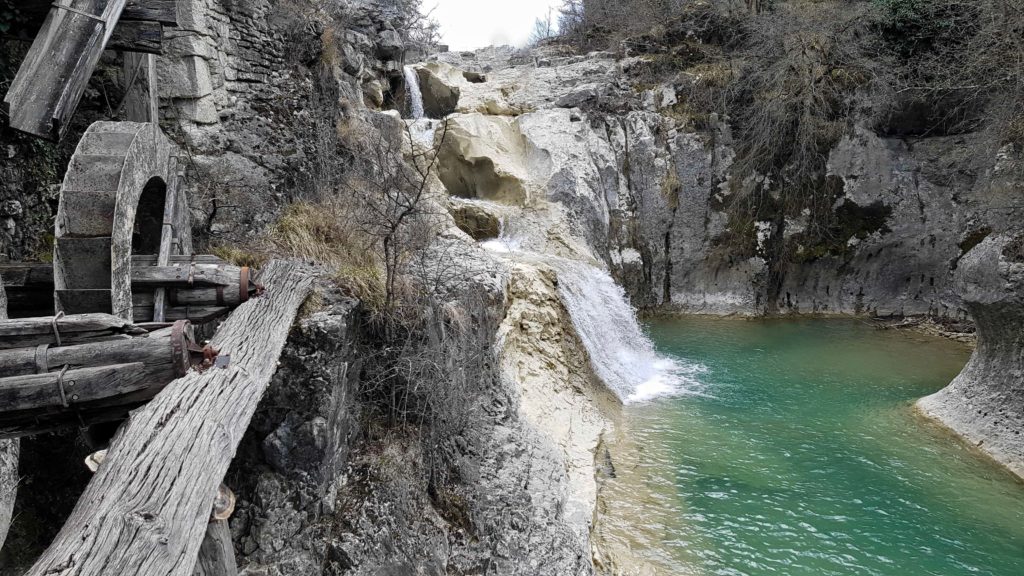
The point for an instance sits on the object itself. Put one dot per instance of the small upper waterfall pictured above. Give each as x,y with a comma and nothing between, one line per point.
620,353
413,92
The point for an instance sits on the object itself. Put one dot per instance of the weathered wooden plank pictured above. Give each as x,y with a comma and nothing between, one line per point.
167,461
178,259
54,75
194,314
87,301
140,36
163,256
39,275
82,385
86,262
9,453
216,554
162,11
83,416
182,276
22,332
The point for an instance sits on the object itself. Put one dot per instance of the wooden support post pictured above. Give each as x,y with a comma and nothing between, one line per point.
216,554
167,232
167,461
9,452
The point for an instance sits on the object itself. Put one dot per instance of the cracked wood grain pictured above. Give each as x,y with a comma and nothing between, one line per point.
147,509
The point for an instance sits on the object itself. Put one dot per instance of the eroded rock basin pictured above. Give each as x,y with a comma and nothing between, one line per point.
803,455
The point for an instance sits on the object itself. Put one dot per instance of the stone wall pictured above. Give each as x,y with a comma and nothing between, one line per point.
252,89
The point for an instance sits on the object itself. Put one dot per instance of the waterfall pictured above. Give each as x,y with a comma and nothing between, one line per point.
620,353
413,92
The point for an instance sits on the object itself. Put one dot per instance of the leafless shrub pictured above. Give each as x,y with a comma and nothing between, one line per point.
793,98
965,58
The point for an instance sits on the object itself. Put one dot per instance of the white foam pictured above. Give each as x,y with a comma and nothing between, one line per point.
620,353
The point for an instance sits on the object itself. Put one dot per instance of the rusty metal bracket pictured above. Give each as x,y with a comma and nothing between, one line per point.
243,285
178,343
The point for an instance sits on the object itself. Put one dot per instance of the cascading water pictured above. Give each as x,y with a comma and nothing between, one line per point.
620,353
413,92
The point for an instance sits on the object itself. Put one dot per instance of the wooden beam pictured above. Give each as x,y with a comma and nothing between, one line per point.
163,256
138,36
164,352
194,314
179,272
216,554
20,393
162,11
56,71
22,332
166,463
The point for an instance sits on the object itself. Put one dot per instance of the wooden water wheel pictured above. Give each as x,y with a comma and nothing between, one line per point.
124,284
121,197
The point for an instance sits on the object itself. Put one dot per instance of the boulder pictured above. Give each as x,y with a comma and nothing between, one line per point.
440,84
485,157
390,44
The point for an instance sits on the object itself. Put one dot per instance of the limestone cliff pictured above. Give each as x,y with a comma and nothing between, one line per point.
649,192
985,404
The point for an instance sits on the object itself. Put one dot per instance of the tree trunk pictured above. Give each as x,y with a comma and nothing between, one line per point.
146,511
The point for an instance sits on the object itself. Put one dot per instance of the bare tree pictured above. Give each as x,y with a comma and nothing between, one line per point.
544,28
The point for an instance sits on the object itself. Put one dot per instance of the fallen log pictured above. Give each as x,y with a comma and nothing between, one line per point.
166,463
62,330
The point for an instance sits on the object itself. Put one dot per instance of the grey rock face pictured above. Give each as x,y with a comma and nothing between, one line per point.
287,472
246,85
985,403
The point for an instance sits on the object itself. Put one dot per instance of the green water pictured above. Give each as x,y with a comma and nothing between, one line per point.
804,457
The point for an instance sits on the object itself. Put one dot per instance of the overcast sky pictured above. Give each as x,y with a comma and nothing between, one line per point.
469,24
